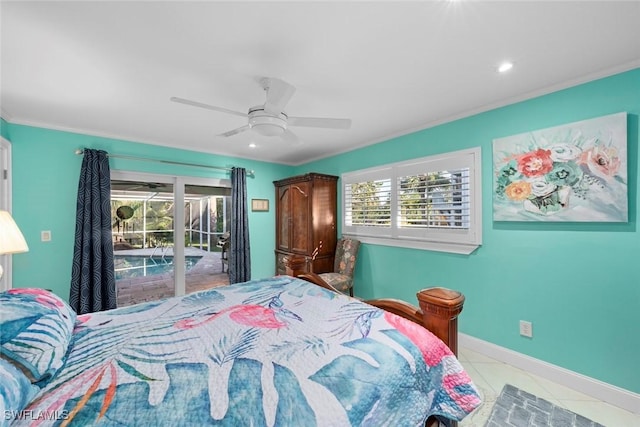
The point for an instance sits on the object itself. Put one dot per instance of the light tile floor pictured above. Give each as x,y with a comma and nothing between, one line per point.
490,375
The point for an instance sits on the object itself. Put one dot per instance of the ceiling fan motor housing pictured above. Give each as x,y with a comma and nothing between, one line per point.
267,124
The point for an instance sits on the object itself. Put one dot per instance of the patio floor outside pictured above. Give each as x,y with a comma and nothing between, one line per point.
205,274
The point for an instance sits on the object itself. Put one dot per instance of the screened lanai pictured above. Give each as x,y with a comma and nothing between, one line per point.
143,238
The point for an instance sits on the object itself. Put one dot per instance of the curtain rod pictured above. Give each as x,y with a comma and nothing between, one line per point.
170,162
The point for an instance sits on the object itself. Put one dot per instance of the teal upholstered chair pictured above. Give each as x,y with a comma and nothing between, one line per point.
345,262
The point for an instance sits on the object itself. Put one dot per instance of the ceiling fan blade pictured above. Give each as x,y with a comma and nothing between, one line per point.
318,122
291,138
207,106
279,93
235,131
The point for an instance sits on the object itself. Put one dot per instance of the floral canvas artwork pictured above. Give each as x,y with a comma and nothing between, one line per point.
575,173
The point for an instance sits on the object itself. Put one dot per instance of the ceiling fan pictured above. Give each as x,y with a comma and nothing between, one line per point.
270,119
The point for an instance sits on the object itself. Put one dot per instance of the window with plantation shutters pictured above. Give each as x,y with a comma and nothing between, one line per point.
429,203
370,203
437,199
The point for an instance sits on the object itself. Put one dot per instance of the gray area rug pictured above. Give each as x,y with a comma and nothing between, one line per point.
517,408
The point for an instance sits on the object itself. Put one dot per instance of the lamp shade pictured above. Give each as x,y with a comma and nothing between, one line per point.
11,239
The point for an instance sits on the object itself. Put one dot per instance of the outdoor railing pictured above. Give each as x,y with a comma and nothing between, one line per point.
153,238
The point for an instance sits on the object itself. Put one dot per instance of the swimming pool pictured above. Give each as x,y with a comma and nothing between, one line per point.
130,266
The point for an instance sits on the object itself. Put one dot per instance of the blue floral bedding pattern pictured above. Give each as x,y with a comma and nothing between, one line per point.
16,391
35,331
274,352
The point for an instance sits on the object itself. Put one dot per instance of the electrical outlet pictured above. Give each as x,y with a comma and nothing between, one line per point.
526,329
45,236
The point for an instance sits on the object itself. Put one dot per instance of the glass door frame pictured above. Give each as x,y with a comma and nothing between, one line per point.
179,182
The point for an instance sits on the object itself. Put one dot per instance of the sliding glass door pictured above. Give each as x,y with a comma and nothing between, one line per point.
166,231
207,219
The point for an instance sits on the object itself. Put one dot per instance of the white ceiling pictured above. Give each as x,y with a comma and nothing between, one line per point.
109,68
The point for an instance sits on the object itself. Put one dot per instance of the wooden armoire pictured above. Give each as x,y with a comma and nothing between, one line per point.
306,215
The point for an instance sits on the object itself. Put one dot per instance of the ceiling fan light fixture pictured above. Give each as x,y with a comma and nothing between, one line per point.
266,124
269,119
268,129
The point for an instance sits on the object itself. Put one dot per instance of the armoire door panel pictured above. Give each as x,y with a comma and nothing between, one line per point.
324,217
283,216
301,218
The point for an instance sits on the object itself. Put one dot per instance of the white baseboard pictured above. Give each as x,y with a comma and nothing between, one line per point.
600,390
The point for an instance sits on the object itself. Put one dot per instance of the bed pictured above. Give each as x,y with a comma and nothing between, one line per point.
274,352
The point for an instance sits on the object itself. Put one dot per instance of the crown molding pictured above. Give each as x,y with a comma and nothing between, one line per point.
488,107
5,115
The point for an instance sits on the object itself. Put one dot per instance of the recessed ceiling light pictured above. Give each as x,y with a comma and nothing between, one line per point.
505,66
252,145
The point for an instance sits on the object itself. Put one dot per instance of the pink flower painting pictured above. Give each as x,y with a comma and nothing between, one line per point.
574,173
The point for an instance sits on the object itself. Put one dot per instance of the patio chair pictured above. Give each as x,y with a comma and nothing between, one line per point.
223,243
224,255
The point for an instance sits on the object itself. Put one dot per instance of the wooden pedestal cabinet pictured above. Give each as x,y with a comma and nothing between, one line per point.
306,215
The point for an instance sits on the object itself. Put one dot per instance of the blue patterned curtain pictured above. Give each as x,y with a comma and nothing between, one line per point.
93,285
239,255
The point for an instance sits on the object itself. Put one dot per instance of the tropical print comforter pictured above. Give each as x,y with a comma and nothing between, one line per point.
275,352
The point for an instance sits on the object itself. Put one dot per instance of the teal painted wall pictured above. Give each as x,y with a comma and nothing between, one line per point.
578,283
45,181
4,129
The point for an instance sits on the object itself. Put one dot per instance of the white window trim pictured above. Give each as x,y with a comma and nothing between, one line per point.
452,241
